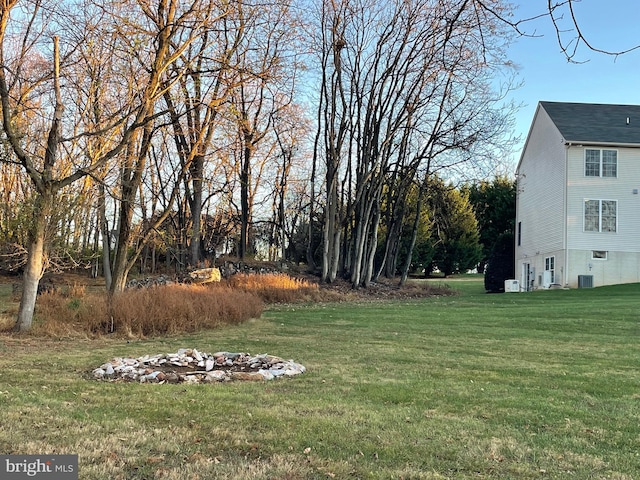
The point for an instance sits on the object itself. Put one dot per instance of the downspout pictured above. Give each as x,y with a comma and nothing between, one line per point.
565,273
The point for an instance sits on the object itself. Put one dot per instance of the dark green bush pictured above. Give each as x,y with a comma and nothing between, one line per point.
501,263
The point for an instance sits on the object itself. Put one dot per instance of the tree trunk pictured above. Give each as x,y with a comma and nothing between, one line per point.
130,179
361,232
371,251
31,279
394,237
391,250
44,200
34,268
335,259
106,237
245,185
244,218
331,234
120,270
195,205
311,263
414,235
407,263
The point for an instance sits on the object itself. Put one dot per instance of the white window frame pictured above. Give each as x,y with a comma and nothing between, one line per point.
550,266
597,255
584,214
601,164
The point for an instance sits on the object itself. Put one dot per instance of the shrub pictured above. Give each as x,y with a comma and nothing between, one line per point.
501,263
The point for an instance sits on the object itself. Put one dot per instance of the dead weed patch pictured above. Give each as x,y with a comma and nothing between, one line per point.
80,311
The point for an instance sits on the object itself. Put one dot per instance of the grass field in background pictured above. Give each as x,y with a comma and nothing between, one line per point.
503,386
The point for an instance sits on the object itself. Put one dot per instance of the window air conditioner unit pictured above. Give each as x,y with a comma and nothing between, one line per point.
511,285
585,281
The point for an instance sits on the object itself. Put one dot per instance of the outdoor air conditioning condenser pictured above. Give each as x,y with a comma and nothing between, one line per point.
511,285
585,281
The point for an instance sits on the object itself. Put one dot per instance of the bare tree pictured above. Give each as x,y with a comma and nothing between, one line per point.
333,128
195,103
20,83
290,129
172,29
31,83
402,83
265,81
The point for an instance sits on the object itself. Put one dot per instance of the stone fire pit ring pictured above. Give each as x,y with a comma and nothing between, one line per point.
188,365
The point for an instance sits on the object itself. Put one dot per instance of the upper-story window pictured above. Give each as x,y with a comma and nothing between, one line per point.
600,163
600,215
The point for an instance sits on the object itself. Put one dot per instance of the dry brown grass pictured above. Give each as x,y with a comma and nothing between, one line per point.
278,288
7,321
282,288
162,310
62,314
78,310
167,310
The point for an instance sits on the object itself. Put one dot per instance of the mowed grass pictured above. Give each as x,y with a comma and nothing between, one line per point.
505,386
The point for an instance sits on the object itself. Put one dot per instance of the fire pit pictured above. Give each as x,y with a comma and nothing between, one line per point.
188,365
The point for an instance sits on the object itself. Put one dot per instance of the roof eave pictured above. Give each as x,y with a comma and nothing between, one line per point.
591,143
526,142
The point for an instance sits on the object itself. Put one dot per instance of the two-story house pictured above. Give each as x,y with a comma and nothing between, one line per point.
578,197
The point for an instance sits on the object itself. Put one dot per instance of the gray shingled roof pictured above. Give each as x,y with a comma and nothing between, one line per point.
596,123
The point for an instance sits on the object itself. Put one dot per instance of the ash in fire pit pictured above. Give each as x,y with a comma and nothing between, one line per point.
191,366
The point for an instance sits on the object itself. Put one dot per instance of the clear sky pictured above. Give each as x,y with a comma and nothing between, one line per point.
546,74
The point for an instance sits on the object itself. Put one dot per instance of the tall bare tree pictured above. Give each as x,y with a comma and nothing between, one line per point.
20,83
401,83
37,78
291,126
266,63
169,28
196,101
333,127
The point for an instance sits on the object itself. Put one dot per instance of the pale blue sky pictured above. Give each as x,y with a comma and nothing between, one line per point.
608,24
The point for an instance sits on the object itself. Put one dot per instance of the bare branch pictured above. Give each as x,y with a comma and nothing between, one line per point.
570,48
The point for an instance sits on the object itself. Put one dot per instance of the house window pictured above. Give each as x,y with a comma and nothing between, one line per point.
592,163
550,266
609,163
600,215
519,233
599,255
600,163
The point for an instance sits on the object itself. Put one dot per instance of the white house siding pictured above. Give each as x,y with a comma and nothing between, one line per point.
540,199
627,236
619,267
623,246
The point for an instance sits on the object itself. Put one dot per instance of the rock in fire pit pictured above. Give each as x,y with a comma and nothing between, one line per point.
191,366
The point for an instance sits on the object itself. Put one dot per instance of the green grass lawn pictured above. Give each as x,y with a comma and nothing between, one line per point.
504,386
